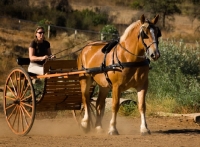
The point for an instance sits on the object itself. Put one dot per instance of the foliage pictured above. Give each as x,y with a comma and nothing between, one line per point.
85,19
176,75
191,9
59,15
45,23
128,107
109,32
162,7
136,5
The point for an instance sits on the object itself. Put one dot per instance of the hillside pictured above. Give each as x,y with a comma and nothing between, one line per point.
120,14
16,35
181,27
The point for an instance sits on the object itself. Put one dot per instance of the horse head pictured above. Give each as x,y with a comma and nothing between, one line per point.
149,34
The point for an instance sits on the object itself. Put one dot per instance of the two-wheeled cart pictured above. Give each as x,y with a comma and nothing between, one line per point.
24,93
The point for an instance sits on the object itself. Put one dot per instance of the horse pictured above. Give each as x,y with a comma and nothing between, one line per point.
124,66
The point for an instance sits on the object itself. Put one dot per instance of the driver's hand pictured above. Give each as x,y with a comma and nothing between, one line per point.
52,56
45,57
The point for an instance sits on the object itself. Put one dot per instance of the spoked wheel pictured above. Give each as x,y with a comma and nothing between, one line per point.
93,113
19,101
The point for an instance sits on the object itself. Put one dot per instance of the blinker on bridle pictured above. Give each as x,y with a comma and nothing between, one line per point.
143,36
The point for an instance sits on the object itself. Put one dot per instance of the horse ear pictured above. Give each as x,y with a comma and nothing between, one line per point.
155,20
142,19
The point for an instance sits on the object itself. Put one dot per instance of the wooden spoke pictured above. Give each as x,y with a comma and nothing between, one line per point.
25,110
19,101
8,97
14,93
25,98
12,113
26,121
12,105
22,88
15,116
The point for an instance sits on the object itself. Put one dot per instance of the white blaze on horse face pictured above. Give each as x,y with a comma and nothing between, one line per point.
154,52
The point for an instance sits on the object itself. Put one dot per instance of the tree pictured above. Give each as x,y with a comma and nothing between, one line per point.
192,9
163,7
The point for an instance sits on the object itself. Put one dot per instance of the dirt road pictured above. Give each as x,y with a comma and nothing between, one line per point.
64,132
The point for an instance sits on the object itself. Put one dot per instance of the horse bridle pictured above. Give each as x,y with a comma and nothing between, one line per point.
143,36
144,44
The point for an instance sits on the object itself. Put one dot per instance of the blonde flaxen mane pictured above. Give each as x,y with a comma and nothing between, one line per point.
128,30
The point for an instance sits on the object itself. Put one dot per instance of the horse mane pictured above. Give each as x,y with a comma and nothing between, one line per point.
128,30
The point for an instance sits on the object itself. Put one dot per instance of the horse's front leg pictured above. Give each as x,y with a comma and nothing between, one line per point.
115,107
142,108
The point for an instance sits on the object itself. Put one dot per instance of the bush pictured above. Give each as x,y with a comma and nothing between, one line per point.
109,32
45,23
176,75
136,5
86,19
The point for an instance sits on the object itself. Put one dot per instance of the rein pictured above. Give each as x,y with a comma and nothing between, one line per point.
70,48
132,53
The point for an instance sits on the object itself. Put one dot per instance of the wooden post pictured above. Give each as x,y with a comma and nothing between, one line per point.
48,31
75,33
19,25
102,36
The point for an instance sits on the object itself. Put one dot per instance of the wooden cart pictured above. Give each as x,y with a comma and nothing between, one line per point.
24,93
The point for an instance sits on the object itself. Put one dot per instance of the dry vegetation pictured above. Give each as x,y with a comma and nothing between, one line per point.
15,38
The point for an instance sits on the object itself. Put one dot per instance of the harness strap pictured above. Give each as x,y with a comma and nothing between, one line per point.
116,67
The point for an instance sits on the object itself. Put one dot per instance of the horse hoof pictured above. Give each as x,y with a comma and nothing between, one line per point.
85,130
84,127
113,133
99,131
146,133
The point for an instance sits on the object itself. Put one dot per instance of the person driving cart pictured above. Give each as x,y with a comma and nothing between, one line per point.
39,51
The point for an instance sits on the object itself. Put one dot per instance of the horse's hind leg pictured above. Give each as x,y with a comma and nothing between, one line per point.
100,106
142,109
86,82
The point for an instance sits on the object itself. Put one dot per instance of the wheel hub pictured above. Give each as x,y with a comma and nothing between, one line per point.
17,101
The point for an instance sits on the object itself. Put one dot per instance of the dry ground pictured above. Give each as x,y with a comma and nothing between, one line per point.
180,131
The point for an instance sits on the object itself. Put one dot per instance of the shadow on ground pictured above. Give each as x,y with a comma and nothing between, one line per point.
180,131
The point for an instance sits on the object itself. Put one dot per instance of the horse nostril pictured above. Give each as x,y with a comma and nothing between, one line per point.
152,55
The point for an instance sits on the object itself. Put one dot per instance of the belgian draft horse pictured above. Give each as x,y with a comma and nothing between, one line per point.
126,65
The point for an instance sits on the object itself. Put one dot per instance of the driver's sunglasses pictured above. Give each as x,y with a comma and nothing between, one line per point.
40,32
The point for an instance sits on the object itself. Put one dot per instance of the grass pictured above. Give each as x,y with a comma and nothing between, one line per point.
176,76
174,79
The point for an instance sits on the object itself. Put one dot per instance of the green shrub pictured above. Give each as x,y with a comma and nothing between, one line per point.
45,23
109,32
128,107
86,19
176,75
136,5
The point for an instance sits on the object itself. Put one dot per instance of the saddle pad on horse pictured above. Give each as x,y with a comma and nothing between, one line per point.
108,47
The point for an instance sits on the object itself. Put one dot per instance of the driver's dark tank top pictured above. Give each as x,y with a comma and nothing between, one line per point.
40,49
